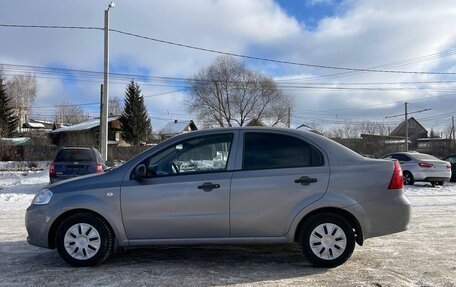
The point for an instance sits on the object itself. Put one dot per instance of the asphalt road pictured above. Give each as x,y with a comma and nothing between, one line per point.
425,255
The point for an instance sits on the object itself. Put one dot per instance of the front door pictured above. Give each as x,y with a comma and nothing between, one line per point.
185,193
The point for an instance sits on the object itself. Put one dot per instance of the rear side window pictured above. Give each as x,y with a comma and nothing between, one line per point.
267,151
76,155
401,157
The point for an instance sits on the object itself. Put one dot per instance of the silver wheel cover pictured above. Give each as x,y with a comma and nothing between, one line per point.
82,241
328,241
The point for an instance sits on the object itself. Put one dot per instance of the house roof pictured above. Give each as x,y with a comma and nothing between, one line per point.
401,125
304,127
175,127
255,123
34,125
84,125
15,141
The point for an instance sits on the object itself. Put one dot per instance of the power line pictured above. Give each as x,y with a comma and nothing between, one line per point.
228,53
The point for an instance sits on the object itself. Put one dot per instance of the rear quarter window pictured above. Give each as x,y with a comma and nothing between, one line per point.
269,151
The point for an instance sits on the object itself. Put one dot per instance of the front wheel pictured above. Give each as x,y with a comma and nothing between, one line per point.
84,240
327,240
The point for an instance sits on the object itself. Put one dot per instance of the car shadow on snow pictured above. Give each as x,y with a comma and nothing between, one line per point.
204,265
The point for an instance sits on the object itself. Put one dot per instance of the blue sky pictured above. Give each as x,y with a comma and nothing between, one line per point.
348,33
310,13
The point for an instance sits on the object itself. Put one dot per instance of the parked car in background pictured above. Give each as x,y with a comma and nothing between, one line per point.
422,167
75,161
226,186
452,160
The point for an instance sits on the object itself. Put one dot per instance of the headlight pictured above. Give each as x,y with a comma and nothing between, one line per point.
42,197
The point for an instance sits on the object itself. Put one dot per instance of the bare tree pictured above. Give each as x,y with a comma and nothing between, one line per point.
351,129
227,93
115,106
67,113
448,132
22,90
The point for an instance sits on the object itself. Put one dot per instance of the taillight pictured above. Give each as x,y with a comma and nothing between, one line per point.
397,181
448,166
99,168
425,165
52,168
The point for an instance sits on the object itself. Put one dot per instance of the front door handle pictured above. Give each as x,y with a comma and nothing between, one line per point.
305,180
208,186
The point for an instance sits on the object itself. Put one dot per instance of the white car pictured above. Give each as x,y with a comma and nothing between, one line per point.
422,167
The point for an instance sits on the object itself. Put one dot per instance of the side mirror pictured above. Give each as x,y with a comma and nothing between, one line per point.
140,172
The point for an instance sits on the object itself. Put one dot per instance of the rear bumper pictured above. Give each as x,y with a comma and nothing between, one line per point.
432,176
386,215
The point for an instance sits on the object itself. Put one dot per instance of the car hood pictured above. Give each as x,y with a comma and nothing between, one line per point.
111,178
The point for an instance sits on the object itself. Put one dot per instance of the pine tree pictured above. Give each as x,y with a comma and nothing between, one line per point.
8,118
135,121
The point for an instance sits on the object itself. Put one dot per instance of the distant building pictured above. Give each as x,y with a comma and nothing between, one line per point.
87,133
37,126
415,131
177,127
255,123
435,146
304,127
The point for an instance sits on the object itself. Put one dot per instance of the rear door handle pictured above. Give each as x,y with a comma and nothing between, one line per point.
305,180
208,186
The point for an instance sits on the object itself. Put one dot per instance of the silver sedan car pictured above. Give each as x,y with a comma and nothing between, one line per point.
226,186
422,167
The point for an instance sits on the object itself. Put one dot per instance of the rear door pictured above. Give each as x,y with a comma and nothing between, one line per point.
279,175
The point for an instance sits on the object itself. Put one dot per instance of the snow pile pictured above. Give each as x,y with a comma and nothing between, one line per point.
422,188
22,186
23,165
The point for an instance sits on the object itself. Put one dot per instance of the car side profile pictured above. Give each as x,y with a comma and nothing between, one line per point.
422,167
226,186
75,161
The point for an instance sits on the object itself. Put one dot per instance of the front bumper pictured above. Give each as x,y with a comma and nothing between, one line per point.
37,223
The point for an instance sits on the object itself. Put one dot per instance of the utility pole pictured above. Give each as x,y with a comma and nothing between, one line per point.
452,128
406,122
289,117
406,128
105,97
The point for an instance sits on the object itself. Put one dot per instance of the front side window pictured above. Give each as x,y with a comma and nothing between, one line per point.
202,154
268,151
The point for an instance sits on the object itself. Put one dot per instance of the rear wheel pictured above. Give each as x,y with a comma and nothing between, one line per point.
408,178
327,240
440,182
84,239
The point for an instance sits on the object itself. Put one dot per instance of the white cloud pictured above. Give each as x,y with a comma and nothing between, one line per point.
367,34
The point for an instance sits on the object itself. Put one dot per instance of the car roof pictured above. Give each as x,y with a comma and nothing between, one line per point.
77,147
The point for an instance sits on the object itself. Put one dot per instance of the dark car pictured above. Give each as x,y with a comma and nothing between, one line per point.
452,159
75,161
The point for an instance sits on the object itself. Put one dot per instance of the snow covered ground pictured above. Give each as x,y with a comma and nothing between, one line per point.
422,256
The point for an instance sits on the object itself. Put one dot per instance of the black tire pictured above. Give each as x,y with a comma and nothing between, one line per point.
330,220
104,242
408,178
440,182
